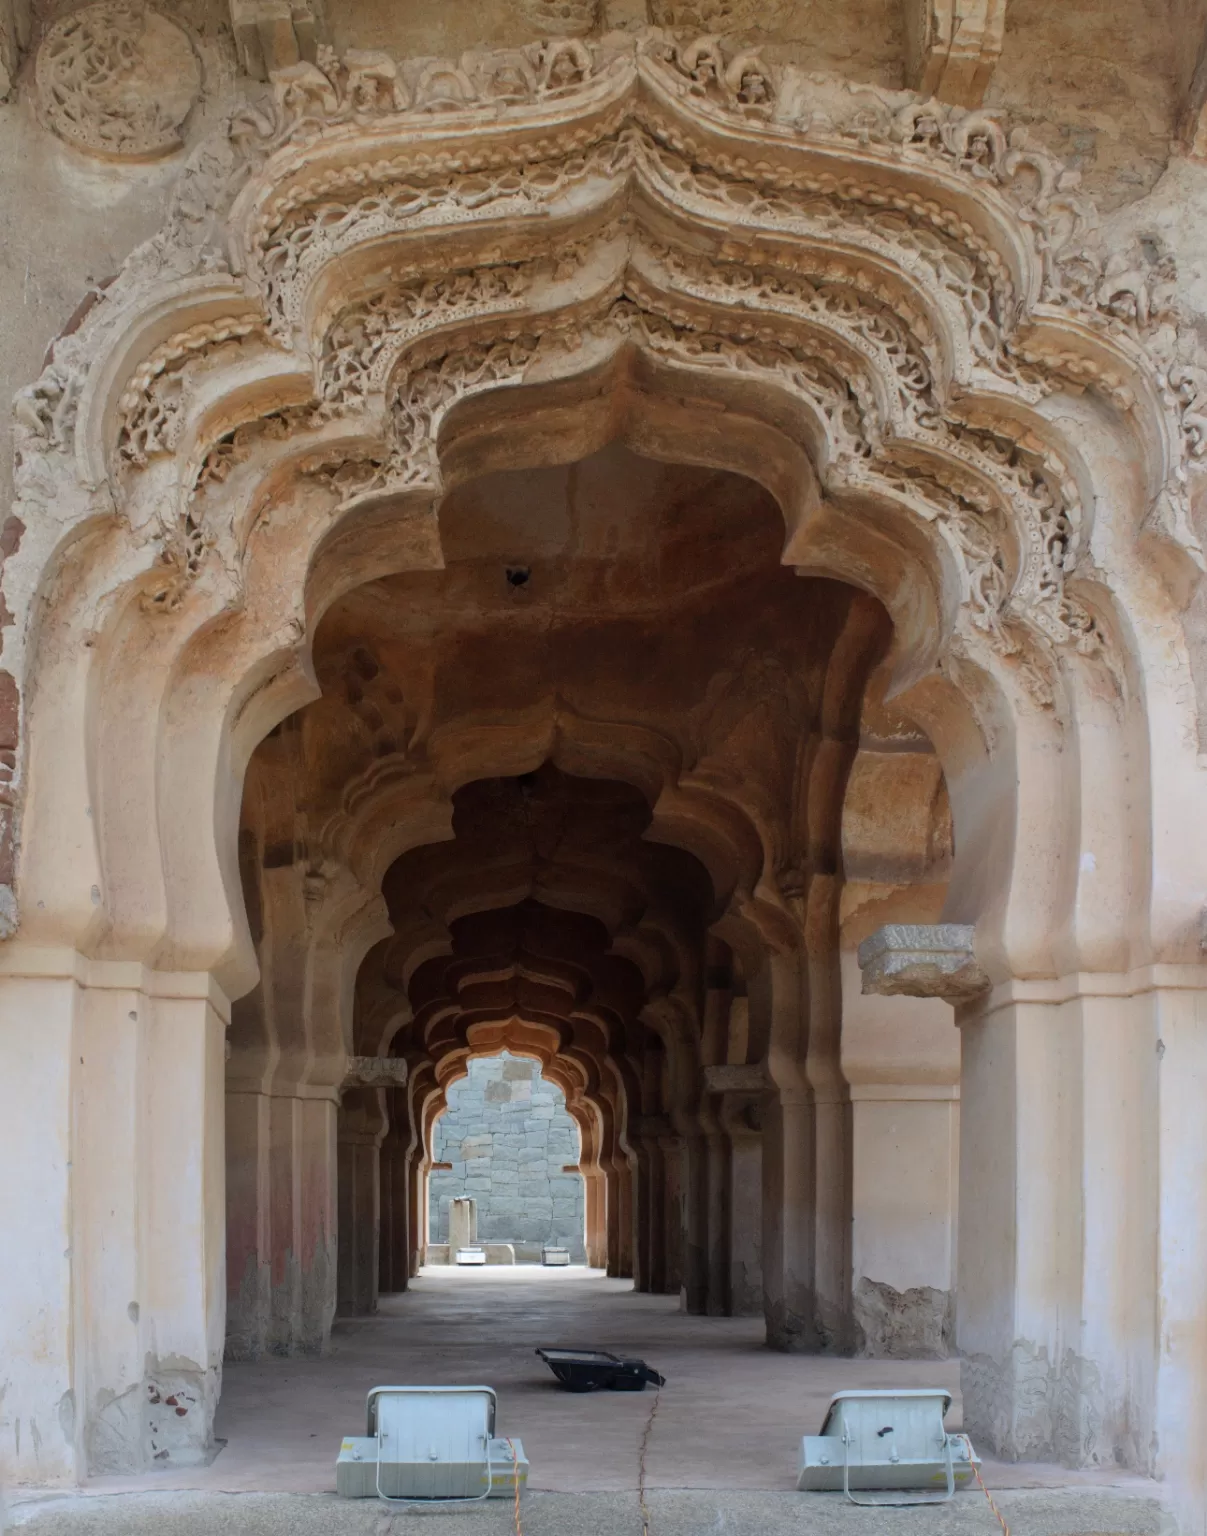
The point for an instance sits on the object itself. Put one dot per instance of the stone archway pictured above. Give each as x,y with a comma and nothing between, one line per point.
892,315
517,1169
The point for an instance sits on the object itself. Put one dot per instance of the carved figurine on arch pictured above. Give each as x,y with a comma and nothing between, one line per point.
565,66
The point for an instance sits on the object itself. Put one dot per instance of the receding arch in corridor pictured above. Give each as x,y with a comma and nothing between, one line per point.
664,707
506,1141
971,471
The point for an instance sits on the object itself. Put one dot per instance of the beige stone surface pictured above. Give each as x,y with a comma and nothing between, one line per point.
543,525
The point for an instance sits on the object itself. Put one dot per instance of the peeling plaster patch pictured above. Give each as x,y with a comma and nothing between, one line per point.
915,1324
790,1331
1029,1408
67,1416
113,1434
180,1397
247,1310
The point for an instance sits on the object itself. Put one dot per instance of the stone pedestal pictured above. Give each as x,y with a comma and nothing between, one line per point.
462,1224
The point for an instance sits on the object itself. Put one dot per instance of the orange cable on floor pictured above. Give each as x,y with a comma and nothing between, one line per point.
976,1472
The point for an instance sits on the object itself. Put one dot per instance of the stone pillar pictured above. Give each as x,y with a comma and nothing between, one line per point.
901,1057
362,1125
462,1224
394,1259
831,1102
1059,1212
650,1212
111,1293
1063,1225
1180,1050
694,1279
417,1208
737,1093
281,1221
789,1162
673,1155
624,1225
717,1228
287,1064
745,1206
612,1217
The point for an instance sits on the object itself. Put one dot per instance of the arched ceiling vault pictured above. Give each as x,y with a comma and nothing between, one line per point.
896,315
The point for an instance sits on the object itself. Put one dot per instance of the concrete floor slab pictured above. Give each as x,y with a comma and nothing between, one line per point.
728,1427
1029,1512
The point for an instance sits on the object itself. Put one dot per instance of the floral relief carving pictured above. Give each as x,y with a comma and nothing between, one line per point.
154,400
118,78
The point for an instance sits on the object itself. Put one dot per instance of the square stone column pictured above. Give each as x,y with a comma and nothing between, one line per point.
112,1291
281,1220
1060,1205
901,1057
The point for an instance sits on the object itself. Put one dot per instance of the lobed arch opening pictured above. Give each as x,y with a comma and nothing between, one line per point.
984,491
525,1171
583,817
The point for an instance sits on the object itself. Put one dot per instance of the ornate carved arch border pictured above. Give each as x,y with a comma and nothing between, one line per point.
899,306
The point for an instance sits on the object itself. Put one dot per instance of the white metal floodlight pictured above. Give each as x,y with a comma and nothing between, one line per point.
887,1440
472,1253
430,1445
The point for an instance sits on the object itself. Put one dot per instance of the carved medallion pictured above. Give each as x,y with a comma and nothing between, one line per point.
117,79
719,15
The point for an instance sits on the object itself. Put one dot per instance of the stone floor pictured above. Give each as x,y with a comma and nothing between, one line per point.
729,1419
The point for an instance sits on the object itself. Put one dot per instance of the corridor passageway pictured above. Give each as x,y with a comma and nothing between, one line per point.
730,1416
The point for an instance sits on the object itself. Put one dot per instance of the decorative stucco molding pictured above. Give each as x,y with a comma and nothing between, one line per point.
373,244
733,17
922,960
118,78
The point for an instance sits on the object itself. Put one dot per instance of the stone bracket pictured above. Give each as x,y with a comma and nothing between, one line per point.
273,34
375,1072
922,960
952,47
735,1079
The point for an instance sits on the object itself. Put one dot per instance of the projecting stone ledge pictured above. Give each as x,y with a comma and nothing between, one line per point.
922,960
735,1079
375,1072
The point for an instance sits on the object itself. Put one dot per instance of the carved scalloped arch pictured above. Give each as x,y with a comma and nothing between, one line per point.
896,286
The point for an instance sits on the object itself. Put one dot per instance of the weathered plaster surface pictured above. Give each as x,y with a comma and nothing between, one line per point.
758,510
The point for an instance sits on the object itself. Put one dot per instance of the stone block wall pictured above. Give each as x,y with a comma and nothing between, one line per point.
508,1135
